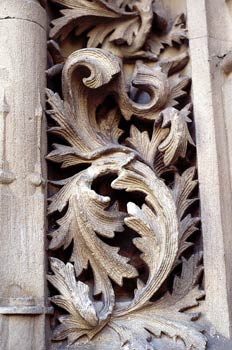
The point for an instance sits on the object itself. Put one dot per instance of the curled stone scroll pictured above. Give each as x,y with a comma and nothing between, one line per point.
126,256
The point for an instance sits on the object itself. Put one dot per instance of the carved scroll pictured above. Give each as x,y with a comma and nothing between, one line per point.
126,179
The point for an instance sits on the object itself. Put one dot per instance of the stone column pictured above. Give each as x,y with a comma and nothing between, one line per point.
22,189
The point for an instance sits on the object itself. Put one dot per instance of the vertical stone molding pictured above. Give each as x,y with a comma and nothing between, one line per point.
22,198
210,36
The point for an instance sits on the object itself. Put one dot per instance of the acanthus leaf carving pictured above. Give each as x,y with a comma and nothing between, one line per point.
124,32
168,315
87,215
74,298
104,134
183,186
175,145
122,28
177,33
162,225
145,146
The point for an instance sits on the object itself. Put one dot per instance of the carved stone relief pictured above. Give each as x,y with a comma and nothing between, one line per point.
6,176
126,252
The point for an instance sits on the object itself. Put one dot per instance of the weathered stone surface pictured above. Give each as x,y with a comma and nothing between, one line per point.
22,200
123,216
131,143
210,39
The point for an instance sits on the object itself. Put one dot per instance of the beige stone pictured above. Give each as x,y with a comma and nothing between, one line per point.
22,218
210,40
133,142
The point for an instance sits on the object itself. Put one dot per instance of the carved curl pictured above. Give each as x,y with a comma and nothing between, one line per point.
89,220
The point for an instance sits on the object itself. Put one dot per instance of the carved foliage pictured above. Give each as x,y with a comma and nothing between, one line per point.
90,134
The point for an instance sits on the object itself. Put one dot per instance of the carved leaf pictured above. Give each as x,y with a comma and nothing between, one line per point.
183,186
146,223
146,147
177,33
175,145
136,331
108,126
175,64
68,156
63,115
185,288
187,227
76,293
74,298
87,214
124,31
159,167
166,316
80,149
177,88
114,31
81,226
119,26
159,222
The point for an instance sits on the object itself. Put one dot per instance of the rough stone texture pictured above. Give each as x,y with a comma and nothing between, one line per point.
22,217
22,137
210,29
95,138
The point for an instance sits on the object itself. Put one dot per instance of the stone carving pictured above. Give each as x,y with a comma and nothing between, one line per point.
122,27
104,132
6,176
36,177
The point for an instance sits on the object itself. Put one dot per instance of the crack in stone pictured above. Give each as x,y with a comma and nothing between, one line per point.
22,19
